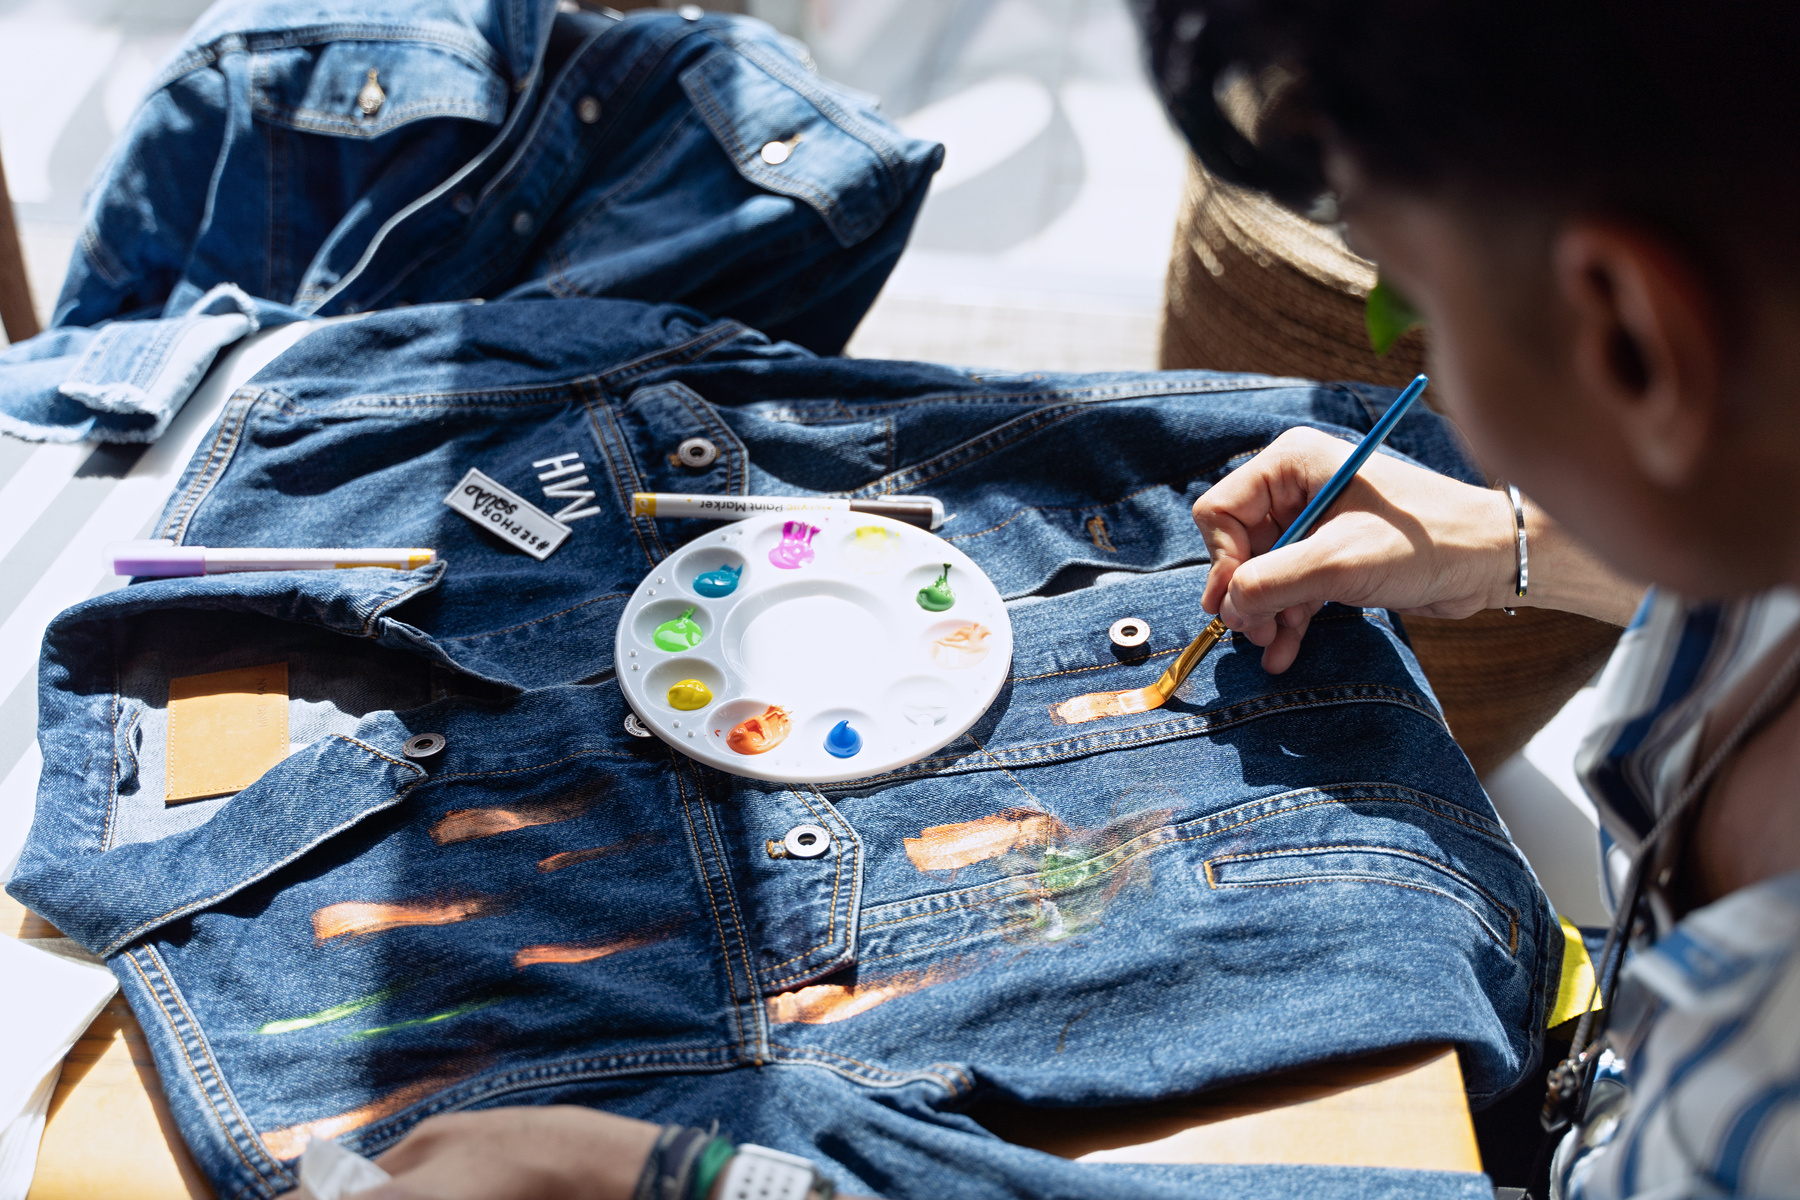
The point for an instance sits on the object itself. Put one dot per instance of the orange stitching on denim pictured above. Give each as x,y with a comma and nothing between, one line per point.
836,884
512,770
1046,508
737,920
618,465
963,937
200,1078
227,428
472,637
718,922
1511,949
890,1073
1414,855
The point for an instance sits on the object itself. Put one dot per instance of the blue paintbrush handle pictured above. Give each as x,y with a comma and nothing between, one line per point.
1338,482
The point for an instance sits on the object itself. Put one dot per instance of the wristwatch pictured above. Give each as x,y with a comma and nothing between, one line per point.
759,1173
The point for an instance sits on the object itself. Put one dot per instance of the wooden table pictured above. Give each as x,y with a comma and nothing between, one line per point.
110,1132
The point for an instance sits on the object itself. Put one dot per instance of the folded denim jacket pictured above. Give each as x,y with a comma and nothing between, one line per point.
1267,871
317,157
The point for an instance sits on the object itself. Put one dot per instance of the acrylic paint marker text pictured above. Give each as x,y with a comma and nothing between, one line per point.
924,511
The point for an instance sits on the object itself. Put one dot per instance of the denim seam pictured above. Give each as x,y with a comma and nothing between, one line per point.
611,441
696,347
736,482
897,1078
475,637
1097,394
243,882
423,585
1197,725
712,903
737,917
177,1023
112,792
433,778
1036,803
306,120
831,922
975,449
1512,916
781,70
655,158
1039,508
224,444
963,937
1165,836
1512,948
477,51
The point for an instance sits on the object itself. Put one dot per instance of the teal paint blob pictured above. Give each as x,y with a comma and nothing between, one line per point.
843,741
721,582
680,633
938,597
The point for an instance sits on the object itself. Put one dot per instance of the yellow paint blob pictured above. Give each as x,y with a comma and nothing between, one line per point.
689,694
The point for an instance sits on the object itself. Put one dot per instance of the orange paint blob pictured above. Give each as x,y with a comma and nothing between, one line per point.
829,1003
570,858
466,824
962,647
580,952
290,1142
372,916
760,734
950,847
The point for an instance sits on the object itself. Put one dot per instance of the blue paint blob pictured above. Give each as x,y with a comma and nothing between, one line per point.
721,582
843,741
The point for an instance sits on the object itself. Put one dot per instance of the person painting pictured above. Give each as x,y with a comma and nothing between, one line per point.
1589,202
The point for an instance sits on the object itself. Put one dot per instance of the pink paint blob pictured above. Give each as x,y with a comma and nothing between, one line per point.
796,549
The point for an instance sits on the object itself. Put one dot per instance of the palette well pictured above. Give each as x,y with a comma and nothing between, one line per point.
834,647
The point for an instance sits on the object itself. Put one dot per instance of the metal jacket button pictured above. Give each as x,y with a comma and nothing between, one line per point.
775,153
424,745
1129,631
588,109
697,452
521,223
635,727
691,12
371,98
806,841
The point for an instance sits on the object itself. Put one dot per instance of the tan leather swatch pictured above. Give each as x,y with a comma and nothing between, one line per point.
225,730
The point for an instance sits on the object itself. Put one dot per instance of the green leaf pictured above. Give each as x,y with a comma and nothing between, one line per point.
1388,316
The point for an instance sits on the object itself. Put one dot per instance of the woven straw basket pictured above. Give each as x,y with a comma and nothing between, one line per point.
1253,287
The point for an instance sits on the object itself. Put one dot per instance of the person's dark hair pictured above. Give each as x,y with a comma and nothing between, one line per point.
1683,116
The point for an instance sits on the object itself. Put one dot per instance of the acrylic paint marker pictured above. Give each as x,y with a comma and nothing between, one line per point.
924,511
163,559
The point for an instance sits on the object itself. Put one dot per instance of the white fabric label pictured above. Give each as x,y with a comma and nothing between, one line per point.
508,514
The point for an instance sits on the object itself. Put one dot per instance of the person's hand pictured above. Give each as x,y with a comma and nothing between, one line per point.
1399,537
557,1152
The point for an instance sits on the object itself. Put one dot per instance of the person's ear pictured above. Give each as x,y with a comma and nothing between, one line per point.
1647,344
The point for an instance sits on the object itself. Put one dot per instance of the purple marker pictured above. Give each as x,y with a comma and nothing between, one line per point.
163,559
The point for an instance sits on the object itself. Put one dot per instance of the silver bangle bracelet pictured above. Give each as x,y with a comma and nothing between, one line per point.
1523,579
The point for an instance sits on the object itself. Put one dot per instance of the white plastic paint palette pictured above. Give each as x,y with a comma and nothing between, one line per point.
824,623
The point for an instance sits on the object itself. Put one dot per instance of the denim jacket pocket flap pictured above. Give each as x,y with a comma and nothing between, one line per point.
1366,864
363,89
787,133
107,901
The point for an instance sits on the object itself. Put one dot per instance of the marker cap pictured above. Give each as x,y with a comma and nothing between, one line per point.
159,558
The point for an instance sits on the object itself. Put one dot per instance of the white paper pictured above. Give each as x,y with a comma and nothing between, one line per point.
330,1172
51,994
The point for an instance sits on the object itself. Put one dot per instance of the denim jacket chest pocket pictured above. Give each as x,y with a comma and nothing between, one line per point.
365,88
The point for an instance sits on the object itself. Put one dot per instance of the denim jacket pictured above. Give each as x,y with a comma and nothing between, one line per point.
1266,871
315,157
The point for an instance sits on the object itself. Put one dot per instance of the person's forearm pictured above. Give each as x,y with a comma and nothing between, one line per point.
1566,575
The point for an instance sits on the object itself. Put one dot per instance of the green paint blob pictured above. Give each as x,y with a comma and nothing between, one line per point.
460,1011
937,597
326,1016
681,633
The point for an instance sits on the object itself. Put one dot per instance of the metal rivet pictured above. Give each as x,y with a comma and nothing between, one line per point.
1129,632
463,203
371,98
635,727
697,452
521,223
691,12
776,153
806,841
424,745
588,109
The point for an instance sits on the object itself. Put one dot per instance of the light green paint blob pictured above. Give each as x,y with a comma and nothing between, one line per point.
461,1011
680,633
938,597
336,1012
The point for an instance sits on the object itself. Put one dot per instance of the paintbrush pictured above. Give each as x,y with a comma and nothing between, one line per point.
1113,704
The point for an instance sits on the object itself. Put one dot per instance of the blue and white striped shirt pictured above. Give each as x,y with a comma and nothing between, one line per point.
1699,1092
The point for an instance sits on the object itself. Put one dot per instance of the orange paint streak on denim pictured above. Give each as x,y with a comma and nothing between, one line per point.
949,847
374,916
570,858
466,824
290,1142
580,952
829,1003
